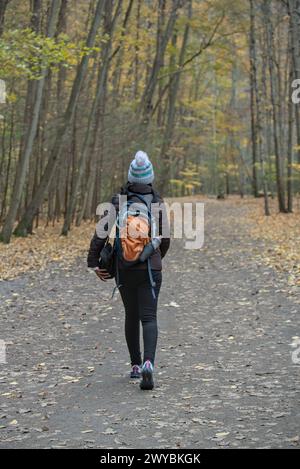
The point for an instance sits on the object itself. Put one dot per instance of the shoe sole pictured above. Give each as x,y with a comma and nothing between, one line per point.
147,383
135,376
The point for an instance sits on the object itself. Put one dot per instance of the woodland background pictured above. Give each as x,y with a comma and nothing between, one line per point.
204,86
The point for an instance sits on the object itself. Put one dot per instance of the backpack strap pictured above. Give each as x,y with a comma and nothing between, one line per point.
152,283
116,249
142,199
118,286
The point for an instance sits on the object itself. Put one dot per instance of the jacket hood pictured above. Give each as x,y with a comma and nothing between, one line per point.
139,188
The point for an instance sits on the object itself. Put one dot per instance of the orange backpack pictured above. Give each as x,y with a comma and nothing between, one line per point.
136,238
134,228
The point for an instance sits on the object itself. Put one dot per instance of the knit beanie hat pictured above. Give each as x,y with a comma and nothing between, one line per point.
141,169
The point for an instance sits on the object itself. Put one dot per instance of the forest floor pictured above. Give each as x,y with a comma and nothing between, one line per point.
229,322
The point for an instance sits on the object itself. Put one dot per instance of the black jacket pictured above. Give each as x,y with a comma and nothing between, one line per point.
98,243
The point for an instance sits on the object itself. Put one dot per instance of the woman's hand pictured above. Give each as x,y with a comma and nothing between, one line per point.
102,274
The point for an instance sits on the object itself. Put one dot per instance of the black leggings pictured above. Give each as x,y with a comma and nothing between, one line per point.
140,306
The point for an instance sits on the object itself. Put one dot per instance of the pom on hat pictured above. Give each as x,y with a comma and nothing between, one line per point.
141,169
141,158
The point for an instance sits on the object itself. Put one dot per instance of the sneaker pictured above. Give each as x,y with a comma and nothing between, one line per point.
135,372
147,382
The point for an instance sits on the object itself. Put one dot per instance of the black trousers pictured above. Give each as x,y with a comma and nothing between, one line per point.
140,307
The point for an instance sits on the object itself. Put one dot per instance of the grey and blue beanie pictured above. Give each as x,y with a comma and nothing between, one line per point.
141,169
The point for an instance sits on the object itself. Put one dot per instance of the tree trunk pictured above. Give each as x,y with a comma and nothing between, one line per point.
290,129
102,79
294,13
173,91
290,157
136,49
161,45
252,104
3,6
63,128
274,90
10,151
256,91
29,139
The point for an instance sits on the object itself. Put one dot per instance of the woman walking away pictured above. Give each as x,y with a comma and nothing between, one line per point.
142,240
